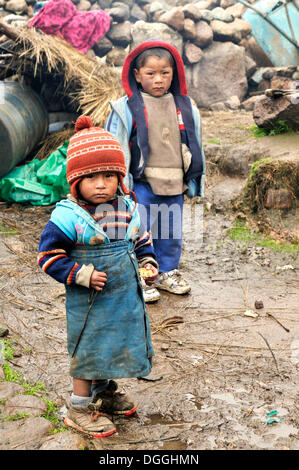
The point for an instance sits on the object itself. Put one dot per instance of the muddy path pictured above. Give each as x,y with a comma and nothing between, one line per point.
221,365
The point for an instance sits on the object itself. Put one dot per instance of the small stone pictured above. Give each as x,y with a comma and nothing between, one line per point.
259,304
164,347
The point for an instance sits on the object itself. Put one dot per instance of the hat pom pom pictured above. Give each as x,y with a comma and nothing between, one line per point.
83,122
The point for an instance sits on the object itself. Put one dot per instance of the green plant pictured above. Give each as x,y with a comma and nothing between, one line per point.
15,417
7,231
279,127
239,232
36,389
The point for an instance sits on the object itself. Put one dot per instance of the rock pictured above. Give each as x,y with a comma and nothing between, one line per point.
268,111
222,15
119,13
236,160
95,6
116,56
204,34
137,13
250,66
120,34
203,81
14,19
278,199
248,104
225,31
192,53
102,47
64,441
206,4
174,18
242,26
16,6
236,10
233,102
268,74
28,404
219,106
83,5
189,31
192,11
285,71
9,390
104,3
24,434
259,304
207,15
156,6
141,31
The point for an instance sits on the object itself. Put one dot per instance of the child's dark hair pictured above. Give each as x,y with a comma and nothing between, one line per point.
154,51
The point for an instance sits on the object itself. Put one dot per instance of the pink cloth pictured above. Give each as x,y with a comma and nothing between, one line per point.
82,29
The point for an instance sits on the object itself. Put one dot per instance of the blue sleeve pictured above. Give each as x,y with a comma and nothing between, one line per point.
53,257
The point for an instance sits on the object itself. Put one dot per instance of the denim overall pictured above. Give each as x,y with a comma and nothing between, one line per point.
108,331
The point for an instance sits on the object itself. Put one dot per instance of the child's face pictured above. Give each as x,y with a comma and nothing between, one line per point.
98,188
155,76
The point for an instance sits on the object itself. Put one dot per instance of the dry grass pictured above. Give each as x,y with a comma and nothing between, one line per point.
53,142
91,85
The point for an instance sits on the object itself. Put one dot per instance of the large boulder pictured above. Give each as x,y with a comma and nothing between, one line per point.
219,75
269,112
142,31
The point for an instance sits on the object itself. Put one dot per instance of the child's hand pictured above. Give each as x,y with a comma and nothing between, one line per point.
98,280
149,280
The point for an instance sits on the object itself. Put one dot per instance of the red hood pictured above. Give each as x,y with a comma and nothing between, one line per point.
178,85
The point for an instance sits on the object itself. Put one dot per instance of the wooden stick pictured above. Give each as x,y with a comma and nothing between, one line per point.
271,352
270,315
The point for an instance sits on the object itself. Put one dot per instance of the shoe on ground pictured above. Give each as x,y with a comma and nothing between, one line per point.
113,402
173,282
89,420
150,293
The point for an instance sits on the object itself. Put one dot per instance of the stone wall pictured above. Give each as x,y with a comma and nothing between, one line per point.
223,62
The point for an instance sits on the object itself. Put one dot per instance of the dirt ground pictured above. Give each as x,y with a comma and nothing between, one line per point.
220,365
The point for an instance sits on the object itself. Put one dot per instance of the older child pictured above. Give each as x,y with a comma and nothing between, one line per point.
90,244
160,132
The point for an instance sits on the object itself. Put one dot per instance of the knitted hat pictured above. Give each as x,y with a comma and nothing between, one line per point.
92,150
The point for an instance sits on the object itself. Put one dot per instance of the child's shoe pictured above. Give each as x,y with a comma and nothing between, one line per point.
150,293
113,402
173,282
89,420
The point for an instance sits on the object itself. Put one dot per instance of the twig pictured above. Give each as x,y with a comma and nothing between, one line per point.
271,352
270,315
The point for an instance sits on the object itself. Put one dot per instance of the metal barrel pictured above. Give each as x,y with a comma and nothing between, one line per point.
23,123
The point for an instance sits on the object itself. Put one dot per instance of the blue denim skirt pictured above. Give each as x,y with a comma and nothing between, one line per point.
108,331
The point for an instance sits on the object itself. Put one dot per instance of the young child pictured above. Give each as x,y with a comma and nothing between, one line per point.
91,244
160,132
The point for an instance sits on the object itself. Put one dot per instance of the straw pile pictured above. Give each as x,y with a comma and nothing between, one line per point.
90,84
266,175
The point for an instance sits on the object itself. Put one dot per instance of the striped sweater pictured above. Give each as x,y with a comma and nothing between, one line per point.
63,233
